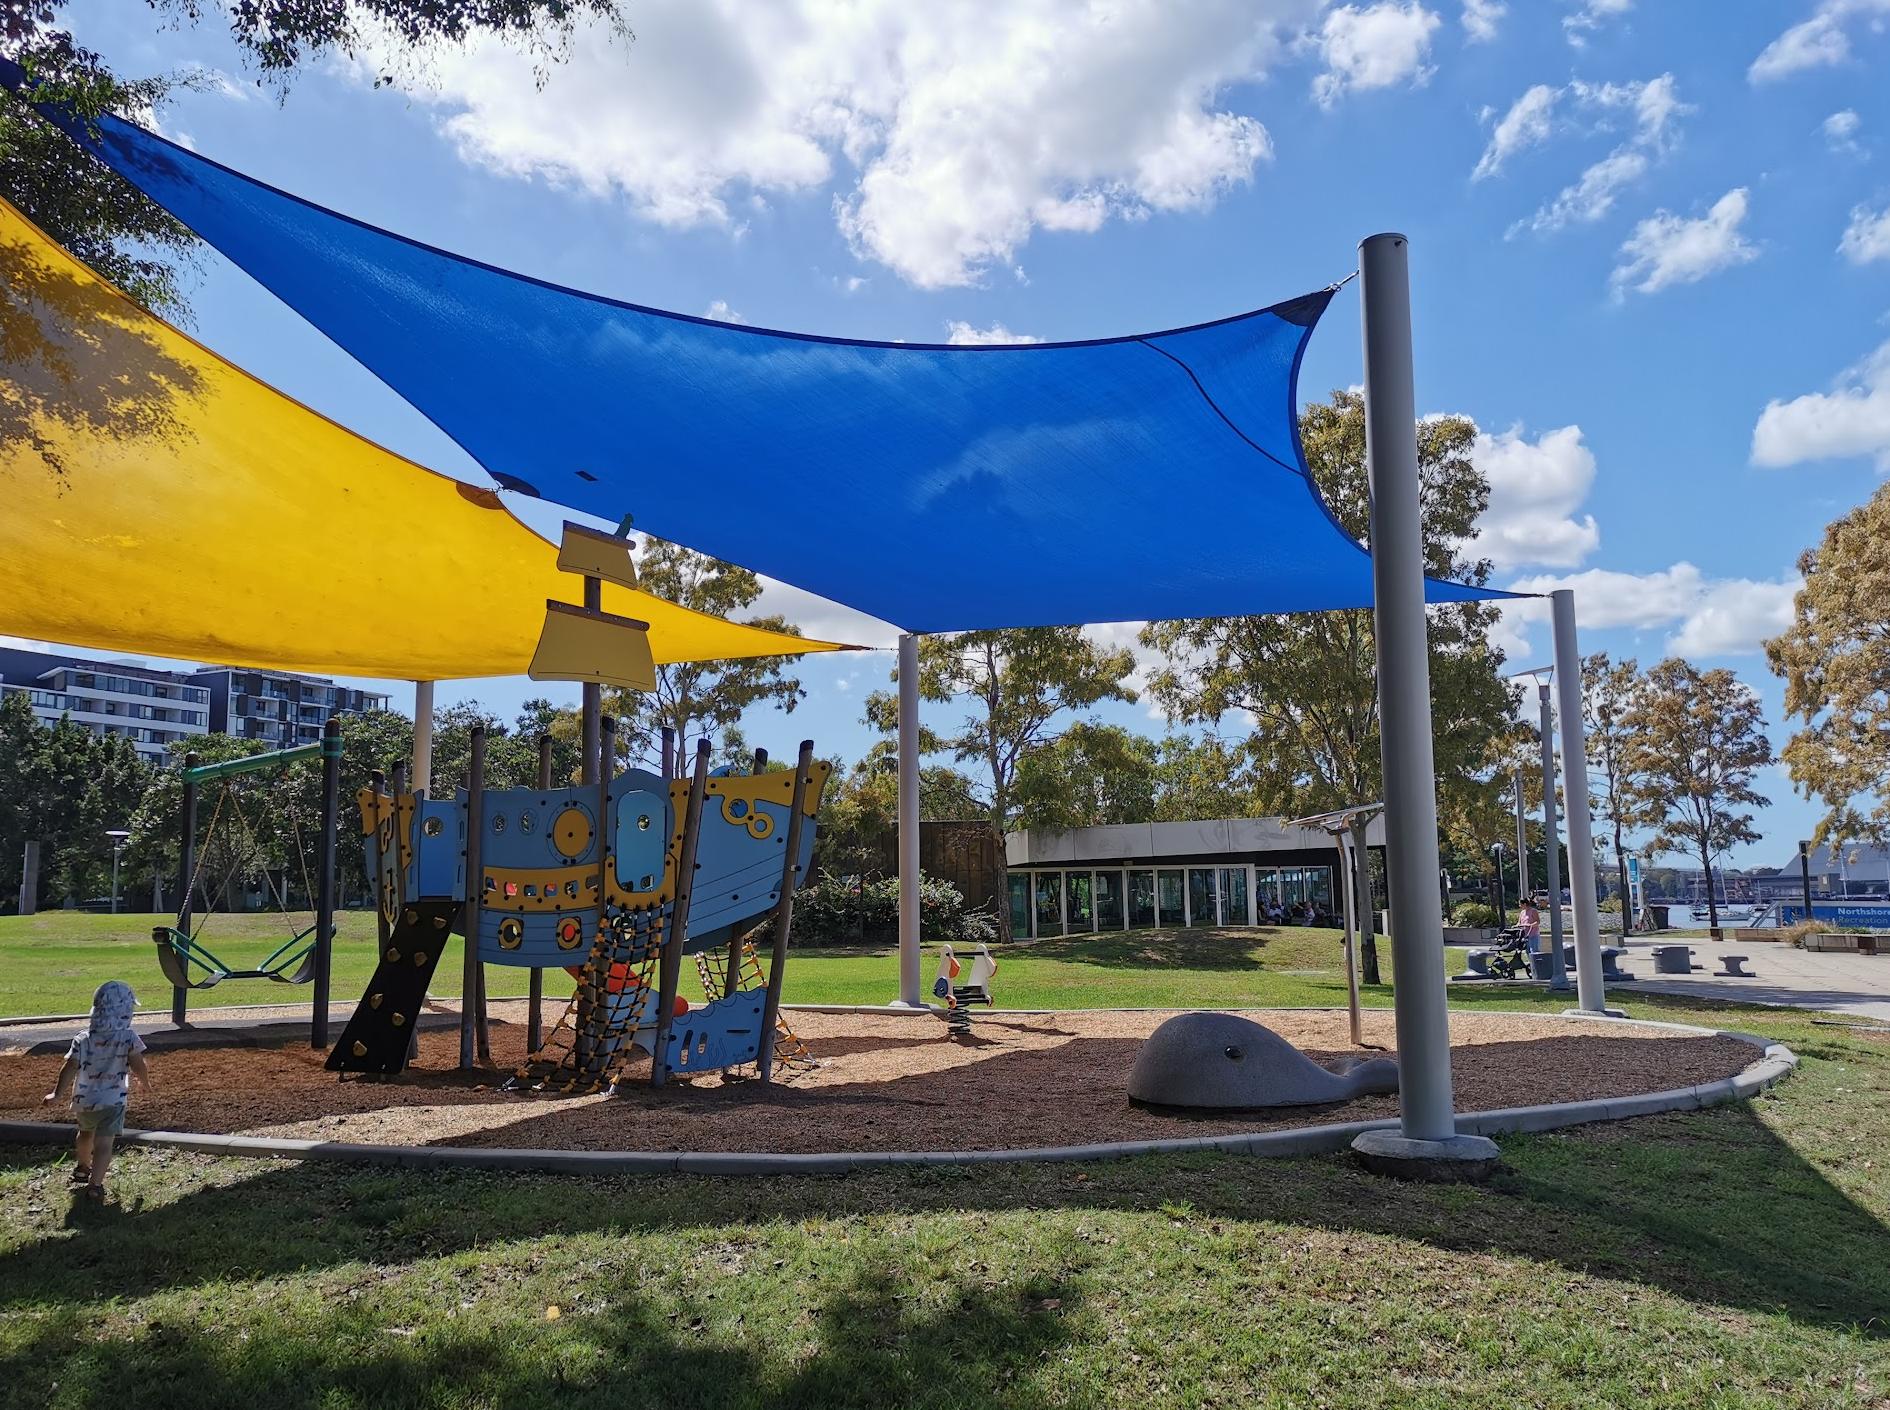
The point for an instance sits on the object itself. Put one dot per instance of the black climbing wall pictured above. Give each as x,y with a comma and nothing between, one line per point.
376,1038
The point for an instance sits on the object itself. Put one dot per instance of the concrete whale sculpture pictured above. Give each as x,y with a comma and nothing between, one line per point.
1221,1061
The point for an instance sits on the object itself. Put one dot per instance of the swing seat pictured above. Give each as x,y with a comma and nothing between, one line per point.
190,965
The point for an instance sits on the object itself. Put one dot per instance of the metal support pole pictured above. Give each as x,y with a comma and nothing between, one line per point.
325,882
1404,691
535,993
909,820
423,737
377,783
29,878
669,754
669,972
604,754
1522,845
475,891
1551,842
784,912
1581,840
116,849
180,996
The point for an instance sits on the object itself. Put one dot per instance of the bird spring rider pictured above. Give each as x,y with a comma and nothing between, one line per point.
959,997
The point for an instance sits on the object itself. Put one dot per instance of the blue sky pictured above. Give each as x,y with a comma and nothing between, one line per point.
1650,241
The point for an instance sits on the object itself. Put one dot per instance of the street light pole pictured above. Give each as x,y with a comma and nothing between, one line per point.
1551,844
118,836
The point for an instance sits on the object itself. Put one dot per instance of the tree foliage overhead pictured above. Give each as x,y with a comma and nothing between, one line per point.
1835,661
1692,745
1016,684
702,698
102,219
1309,681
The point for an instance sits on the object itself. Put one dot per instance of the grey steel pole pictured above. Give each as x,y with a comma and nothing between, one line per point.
1404,691
1591,994
1367,923
116,848
423,737
475,829
1551,843
909,819
784,914
1522,845
325,882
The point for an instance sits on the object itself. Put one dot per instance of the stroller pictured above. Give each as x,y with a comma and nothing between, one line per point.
1512,956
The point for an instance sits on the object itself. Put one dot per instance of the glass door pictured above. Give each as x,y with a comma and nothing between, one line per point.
1201,895
1109,900
1234,896
1168,893
1049,891
1141,898
1020,904
1081,908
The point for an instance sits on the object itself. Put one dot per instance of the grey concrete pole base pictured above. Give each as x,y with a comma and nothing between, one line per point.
1459,1160
1594,1013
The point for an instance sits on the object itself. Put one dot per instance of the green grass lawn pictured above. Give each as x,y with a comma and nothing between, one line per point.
1730,1258
51,963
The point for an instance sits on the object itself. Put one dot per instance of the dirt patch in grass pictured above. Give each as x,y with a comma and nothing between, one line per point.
883,1083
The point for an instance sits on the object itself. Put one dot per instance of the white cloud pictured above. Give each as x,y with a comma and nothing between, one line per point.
1536,489
1709,616
1667,249
951,135
1591,17
722,313
1528,123
1851,419
965,335
1482,19
1840,131
1735,617
1377,46
1653,107
1867,237
1823,41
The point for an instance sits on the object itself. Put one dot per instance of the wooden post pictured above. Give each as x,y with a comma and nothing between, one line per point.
733,978
535,1000
670,970
784,914
325,881
475,893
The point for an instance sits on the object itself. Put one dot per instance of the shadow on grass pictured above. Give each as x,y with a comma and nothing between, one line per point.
1711,1206
974,1343
1221,950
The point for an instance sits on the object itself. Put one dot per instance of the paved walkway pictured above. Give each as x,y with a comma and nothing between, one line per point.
1849,984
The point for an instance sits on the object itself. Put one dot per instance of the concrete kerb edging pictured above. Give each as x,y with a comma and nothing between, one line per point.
1777,1063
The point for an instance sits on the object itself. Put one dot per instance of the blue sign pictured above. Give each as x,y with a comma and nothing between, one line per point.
1634,871
1871,914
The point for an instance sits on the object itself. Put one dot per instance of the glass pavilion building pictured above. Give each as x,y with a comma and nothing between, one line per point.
1132,875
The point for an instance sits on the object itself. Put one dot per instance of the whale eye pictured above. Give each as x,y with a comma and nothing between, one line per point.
1233,1052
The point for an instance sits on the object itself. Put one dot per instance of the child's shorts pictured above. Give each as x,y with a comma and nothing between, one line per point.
102,1120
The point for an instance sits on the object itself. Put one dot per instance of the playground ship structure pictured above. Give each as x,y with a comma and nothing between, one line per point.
614,882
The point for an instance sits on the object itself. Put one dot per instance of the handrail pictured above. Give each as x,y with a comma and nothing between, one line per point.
252,763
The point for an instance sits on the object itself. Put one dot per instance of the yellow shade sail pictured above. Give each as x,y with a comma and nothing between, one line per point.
156,499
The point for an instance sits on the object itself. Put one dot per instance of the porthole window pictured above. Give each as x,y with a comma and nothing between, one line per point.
498,822
527,822
432,827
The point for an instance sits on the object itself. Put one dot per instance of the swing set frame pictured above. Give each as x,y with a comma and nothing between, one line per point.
187,963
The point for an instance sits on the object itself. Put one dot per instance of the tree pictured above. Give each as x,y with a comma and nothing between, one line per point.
1835,661
1309,682
106,222
1694,740
61,786
700,698
1016,683
1090,774
1608,691
1200,778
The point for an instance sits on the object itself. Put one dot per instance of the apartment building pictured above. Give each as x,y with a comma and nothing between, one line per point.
155,708
152,708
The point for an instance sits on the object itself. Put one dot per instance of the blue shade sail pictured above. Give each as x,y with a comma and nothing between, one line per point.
938,488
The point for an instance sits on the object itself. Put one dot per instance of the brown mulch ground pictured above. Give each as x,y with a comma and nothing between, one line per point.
885,1083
